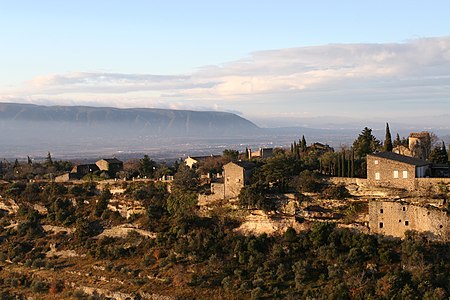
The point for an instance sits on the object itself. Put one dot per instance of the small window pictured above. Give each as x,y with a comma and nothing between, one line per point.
440,226
381,224
404,208
381,211
399,221
395,174
377,176
406,223
405,174
376,162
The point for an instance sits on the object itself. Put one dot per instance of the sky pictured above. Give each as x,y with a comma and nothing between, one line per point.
261,59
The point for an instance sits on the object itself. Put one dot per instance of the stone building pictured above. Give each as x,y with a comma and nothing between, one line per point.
394,170
236,176
419,145
110,165
320,148
84,169
262,153
394,218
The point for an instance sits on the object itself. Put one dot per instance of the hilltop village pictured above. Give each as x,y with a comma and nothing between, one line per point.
368,220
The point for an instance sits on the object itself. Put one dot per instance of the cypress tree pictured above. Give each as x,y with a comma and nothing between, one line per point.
49,160
348,167
388,140
303,144
353,164
398,141
338,165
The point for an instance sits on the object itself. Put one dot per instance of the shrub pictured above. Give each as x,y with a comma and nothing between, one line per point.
339,192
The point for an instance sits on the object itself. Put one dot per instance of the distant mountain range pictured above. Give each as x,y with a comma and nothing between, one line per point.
156,122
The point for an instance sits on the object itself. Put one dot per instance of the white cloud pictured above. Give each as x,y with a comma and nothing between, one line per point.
328,79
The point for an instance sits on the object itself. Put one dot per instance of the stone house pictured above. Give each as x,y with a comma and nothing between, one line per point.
320,148
394,218
419,145
262,153
394,170
236,176
402,150
110,165
84,169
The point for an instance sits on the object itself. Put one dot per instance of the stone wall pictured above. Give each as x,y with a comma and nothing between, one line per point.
394,218
433,185
362,182
385,168
217,193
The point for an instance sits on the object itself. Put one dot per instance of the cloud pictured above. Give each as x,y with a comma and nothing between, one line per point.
327,79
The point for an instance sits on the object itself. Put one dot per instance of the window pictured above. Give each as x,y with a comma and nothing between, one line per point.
404,208
406,223
376,162
381,224
399,221
381,211
377,176
405,174
395,174
440,226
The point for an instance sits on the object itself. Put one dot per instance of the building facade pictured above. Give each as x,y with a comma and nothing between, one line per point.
236,176
394,218
110,165
262,153
394,170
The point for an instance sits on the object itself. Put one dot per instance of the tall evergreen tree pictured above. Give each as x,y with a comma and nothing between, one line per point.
448,155
388,140
439,155
303,146
49,160
397,141
366,143
147,166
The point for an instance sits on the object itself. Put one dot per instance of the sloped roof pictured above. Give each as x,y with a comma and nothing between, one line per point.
401,158
247,165
112,160
198,158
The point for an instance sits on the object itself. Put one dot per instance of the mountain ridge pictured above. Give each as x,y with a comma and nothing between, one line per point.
156,121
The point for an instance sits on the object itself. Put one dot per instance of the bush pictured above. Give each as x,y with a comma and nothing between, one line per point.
38,286
339,192
308,181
